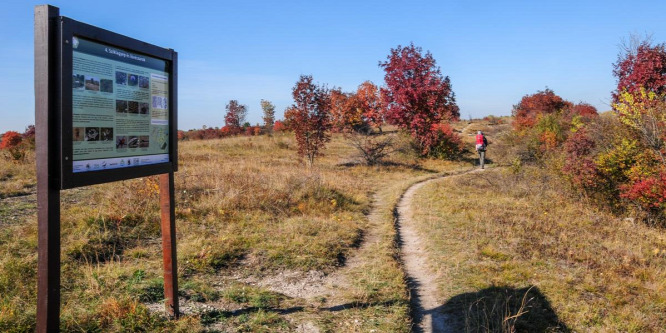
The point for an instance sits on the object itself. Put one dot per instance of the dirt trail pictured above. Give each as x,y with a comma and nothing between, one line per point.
422,282
313,284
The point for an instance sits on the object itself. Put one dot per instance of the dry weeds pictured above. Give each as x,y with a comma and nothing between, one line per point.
495,237
244,204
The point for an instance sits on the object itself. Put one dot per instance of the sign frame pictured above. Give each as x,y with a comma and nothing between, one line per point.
53,115
70,28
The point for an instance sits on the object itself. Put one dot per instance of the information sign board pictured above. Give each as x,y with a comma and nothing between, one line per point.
118,106
105,110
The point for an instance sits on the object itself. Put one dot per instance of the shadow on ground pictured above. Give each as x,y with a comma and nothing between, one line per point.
474,161
213,316
390,164
499,309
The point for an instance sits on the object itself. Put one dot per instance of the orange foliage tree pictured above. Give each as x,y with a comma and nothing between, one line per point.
369,101
346,115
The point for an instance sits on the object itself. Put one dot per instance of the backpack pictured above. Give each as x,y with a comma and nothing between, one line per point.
481,142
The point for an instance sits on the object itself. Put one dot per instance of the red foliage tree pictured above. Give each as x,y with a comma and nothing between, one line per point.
417,96
641,65
10,140
309,117
235,116
531,106
369,101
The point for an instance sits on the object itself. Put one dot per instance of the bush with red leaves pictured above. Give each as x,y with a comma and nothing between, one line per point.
449,145
279,126
10,140
579,164
648,194
529,109
584,110
641,65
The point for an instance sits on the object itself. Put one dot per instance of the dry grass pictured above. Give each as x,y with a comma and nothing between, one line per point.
17,177
494,235
244,204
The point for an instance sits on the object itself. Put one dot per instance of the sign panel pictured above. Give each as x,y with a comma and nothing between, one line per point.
120,108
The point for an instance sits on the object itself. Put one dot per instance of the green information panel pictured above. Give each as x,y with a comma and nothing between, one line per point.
120,109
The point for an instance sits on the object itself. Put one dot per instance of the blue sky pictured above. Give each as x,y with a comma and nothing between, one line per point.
494,51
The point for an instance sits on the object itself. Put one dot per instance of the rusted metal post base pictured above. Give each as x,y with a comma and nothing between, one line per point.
167,206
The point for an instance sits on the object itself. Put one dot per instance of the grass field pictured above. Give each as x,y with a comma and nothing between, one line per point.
247,211
267,245
514,244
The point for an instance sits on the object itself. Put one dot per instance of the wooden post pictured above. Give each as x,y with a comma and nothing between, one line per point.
167,206
47,93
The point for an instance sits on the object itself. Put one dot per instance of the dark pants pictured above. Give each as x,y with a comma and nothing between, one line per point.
482,158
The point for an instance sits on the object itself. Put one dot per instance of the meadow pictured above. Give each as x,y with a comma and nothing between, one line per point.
516,249
264,243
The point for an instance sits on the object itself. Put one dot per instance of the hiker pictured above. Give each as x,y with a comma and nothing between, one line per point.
481,144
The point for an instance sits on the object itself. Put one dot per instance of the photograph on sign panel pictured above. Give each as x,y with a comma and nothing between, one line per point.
78,133
106,134
92,83
133,142
121,142
132,79
106,85
121,78
92,134
144,108
78,81
144,141
133,106
159,102
121,106
144,82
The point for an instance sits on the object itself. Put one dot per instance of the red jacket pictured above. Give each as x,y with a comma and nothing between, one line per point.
479,139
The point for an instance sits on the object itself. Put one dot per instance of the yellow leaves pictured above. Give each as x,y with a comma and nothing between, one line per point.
616,162
577,123
631,107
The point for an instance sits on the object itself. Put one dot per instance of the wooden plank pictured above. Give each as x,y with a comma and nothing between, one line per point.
168,223
48,167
